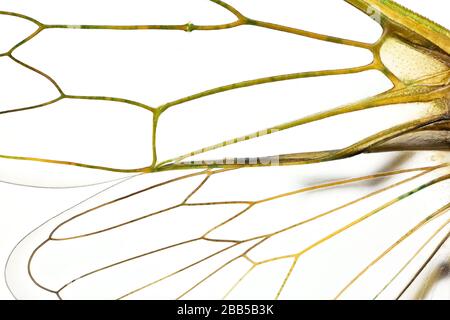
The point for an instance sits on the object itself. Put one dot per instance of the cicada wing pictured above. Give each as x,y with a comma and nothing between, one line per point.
182,236
358,227
71,126
431,280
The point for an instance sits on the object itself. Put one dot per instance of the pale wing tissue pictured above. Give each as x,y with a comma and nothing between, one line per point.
238,149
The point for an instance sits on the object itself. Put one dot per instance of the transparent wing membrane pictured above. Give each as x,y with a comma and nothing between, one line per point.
115,244
312,166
